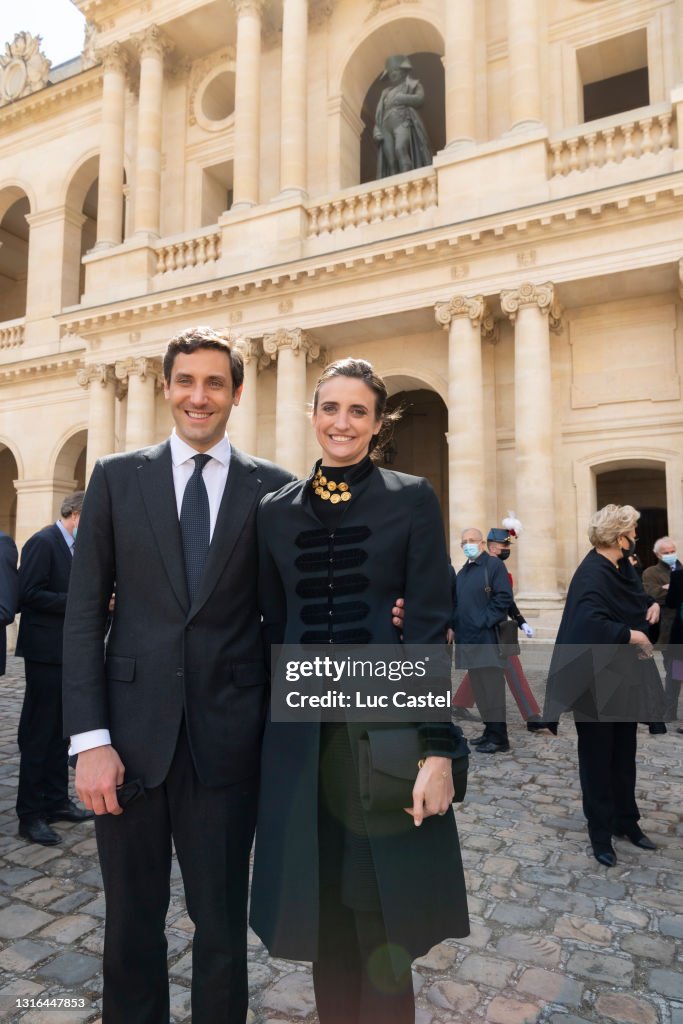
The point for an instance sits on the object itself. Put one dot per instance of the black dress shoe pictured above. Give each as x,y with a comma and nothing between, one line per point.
657,728
463,714
38,831
638,839
605,855
536,725
479,739
70,811
493,747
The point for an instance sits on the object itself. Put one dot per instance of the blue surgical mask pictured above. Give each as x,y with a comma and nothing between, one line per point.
669,559
471,550
75,531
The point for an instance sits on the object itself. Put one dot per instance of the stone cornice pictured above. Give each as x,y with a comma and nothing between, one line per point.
42,368
46,102
569,216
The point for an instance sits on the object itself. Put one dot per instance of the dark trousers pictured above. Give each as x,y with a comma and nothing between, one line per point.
212,830
353,978
607,770
43,769
488,685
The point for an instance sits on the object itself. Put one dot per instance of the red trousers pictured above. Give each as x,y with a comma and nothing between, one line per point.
517,683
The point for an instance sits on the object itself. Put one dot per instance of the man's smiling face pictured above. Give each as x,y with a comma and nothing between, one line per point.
201,396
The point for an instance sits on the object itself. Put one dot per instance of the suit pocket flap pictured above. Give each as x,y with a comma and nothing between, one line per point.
249,673
119,668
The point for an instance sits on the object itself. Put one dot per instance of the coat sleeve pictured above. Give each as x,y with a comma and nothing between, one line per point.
500,600
35,573
8,581
91,585
271,593
427,590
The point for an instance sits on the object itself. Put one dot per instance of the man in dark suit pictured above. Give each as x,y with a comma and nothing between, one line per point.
177,708
43,794
656,580
8,593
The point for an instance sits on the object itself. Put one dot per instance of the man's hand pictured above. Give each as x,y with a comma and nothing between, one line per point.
98,772
398,614
653,614
450,636
433,790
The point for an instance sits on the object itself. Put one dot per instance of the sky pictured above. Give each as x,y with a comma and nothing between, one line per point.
59,23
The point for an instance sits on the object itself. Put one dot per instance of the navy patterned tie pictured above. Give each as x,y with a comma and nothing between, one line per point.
195,525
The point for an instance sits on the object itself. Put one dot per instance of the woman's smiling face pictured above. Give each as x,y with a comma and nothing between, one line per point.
345,420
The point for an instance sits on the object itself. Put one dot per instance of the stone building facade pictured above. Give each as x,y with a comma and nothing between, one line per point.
211,161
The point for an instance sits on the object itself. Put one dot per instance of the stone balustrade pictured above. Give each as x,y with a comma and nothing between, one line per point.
374,203
613,140
195,251
12,333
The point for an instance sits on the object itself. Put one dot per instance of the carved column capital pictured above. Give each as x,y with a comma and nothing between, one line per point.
540,295
296,339
473,307
250,349
153,43
113,58
248,7
95,373
138,366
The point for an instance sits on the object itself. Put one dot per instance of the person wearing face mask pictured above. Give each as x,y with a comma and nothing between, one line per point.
656,581
483,597
44,573
602,669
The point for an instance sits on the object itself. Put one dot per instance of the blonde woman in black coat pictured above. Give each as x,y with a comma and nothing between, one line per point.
359,893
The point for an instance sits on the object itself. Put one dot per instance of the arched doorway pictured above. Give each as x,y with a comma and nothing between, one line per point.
418,445
69,470
9,472
14,238
428,68
80,228
644,487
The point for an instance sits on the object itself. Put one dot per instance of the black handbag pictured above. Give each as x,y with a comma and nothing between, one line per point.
506,630
388,763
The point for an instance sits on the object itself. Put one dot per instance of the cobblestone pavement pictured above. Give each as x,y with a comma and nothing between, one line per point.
555,938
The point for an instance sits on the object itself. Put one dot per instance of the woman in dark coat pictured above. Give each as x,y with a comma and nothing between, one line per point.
360,893
602,670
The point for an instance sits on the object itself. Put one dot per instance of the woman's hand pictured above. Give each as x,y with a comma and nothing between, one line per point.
638,637
433,790
653,614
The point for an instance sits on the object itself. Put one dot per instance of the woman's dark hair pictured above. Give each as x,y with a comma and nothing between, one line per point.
361,369
204,337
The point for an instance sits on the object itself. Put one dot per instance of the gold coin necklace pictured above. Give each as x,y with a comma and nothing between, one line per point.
330,490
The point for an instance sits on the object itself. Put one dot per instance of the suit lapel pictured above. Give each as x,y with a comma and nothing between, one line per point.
62,549
155,474
242,491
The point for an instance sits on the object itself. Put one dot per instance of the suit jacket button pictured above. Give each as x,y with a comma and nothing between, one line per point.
179,672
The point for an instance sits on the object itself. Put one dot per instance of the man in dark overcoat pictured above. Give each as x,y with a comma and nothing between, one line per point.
656,582
8,593
175,712
43,793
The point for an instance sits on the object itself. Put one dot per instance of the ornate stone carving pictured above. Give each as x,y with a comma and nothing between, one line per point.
299,342
95,373
201,69
249,6
23,68
541,295
139,366
113,58
153,43
89,55
472,306
250,349
377,6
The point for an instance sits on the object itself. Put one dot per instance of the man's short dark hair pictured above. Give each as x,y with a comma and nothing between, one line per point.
72,503
195,338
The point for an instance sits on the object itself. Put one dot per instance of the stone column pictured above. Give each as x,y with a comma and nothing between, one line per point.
293,349
143,377
148,164
294,97
524,62
110,199
535,312
460,69
464,316
247,103
243,425
100,381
